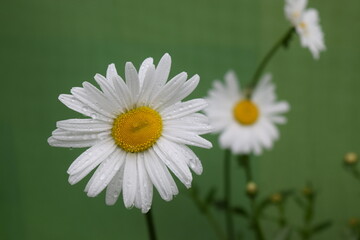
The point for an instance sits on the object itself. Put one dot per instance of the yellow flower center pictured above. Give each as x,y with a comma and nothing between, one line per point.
246,112
303,25
296,14
137,129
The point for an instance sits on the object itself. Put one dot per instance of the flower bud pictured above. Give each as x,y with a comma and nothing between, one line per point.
276,198
350,158
308,191
251,189
354,222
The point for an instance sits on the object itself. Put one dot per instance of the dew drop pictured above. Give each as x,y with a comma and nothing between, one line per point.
93,115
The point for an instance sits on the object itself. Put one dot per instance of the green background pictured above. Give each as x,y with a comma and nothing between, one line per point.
49,46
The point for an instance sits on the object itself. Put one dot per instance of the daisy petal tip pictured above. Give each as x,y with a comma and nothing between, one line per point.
188,185
129,204
110,203
50,141
208,144
72,180
91,194
167,57
144,211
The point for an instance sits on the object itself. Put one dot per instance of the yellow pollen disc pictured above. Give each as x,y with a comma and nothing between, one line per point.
246,112
296,14
302,25
137,129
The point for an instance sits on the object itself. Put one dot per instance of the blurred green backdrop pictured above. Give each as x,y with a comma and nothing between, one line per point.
49,46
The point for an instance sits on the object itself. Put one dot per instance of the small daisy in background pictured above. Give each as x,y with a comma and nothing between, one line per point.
306,23
246,125
137,131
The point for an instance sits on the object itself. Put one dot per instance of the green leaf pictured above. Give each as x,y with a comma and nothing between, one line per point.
210,197
241,211
321,226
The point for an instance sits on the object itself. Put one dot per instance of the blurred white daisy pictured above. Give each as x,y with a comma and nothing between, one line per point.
306,23
245,125
137,131
294,10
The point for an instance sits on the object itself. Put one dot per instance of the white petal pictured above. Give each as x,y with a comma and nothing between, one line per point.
188,138
184,108
166,93
87,167
107,104
95,154
123,92
277,108
145,184
93,101
107,87
196,122
132,80
146,64
71,144
174,160
192,160
83,125
232,84
114,188
182,92
63,135
162,71
160,176
80,107
278,119
105,173
188,87
263,137
228,135
130,181
111,72
138,200
271,129
146,93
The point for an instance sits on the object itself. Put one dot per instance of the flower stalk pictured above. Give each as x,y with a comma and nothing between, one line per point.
254,220
283,41
150,225
227,187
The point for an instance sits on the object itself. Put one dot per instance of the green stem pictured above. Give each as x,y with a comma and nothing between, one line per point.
244,161
355,173
282,41
227,187
150,225
282,220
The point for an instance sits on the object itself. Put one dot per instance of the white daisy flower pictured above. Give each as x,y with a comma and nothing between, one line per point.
137,131
311,35
246,125
306,23
294,10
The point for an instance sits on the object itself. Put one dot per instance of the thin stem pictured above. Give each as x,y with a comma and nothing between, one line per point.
254,220
244,162
282,41
355,173
150,225
227,187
